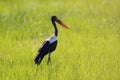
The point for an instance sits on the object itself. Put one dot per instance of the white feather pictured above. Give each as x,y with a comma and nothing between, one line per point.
52,39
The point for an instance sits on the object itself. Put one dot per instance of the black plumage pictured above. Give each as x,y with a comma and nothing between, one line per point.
50,44
45,48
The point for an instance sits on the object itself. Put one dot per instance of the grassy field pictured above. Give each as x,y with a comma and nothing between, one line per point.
90,50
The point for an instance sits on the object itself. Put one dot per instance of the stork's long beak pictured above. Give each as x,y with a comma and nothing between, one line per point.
61,23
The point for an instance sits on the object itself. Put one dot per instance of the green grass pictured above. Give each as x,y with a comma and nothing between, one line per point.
89,50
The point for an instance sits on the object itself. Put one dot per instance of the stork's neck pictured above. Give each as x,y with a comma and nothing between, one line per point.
55,27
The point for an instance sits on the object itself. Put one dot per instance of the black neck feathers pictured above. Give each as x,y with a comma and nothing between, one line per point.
54,24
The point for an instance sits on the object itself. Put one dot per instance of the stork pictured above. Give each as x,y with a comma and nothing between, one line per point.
50,44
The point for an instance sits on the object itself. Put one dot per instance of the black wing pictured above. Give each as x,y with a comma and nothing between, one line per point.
53,46
44,49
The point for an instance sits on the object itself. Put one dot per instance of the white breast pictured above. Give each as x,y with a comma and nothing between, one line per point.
52,39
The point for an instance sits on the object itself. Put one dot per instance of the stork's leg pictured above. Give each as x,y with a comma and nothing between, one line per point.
49,59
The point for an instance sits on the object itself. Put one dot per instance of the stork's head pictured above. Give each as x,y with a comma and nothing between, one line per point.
54,18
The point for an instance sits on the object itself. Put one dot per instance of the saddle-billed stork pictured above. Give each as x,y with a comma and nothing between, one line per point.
50,44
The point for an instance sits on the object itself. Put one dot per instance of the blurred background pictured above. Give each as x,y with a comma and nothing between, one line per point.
90,50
